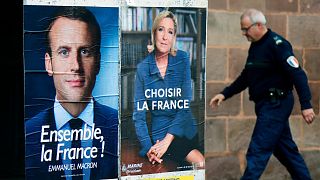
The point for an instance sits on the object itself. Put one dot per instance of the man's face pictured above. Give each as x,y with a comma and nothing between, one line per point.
249,29
74,63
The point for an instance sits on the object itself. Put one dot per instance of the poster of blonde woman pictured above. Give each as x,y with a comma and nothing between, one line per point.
162,94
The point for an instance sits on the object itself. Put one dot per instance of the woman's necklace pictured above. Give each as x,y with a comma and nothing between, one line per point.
162,64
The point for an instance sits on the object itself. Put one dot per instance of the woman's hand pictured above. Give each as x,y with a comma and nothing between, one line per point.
161,147
157,151
153,157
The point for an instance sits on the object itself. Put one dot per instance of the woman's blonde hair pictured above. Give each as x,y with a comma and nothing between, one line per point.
155,25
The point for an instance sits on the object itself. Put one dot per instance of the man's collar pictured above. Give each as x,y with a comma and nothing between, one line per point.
62,116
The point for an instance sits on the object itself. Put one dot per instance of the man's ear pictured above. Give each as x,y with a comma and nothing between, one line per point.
97,69
48,64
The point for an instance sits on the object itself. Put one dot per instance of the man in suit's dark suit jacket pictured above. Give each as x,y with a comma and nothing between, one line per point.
105,118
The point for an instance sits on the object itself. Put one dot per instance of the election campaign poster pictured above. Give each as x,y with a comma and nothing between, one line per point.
71,69
163,55
116,89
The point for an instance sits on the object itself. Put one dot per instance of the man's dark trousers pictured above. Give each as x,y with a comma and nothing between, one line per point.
272,135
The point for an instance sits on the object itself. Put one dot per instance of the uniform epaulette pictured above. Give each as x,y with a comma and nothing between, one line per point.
277,40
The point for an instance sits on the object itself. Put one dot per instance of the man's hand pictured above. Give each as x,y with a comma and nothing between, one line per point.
216,100
308,115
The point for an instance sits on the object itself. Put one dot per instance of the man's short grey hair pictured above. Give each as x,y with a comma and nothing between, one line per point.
254,15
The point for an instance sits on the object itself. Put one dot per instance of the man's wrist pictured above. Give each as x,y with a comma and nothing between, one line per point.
305,105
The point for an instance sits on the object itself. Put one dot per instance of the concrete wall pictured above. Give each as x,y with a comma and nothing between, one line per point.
228,129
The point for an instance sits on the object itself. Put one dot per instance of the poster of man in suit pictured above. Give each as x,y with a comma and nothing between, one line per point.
71,92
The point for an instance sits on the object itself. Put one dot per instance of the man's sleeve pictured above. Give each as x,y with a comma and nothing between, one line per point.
292,67
237,86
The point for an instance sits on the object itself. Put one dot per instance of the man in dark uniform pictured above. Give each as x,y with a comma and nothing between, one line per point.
270,72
